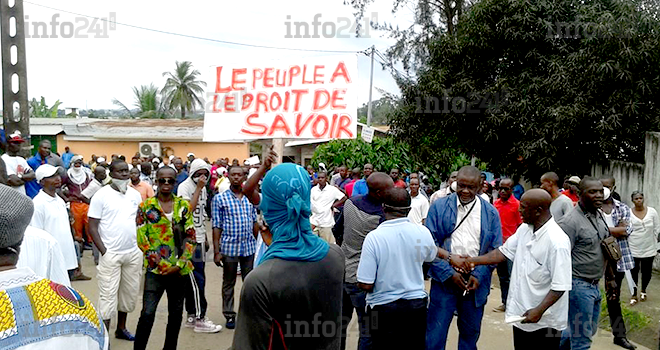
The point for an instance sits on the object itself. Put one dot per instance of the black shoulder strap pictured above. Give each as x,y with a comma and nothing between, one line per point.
466,215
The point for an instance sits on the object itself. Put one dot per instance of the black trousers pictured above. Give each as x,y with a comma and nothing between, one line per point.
646,266
504,274
154,287
229,271
400,324
613,280
542,339
195,298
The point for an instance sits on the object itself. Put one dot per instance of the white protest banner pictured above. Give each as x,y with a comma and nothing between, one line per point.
311,98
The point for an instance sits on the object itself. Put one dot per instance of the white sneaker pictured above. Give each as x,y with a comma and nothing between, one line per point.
207,326
190,322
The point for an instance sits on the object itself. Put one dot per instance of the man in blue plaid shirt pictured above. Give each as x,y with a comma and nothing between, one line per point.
617,215
234,233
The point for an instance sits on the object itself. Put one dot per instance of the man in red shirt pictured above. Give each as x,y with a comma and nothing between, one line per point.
507,206
398,183
355,177
572,191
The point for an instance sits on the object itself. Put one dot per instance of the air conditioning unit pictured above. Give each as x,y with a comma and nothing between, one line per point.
147,149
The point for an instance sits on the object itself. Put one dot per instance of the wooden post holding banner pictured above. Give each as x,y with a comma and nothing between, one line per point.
278,147
371,85
368,134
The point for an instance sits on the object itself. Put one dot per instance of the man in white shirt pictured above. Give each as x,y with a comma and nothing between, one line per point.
18,170
97,183
193,189
50,214
41,314
419,206
537,303
112,213
444,192
42,254
324,198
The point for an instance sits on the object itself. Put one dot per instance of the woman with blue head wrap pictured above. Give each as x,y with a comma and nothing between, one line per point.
299,277
286,208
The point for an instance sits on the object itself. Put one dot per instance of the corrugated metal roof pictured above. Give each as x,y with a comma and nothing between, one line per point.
136,129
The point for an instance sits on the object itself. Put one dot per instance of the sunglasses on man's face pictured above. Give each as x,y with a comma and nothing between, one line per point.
167,181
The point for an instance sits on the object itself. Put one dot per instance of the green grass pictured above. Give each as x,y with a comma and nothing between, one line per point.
635,320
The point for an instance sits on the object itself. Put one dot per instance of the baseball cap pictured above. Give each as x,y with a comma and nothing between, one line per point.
190,154
574,179
45,171
15,137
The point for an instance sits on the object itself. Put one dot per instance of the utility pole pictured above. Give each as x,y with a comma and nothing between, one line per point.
278,147
16,96
371,84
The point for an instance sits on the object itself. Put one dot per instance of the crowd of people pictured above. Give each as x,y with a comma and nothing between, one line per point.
313,248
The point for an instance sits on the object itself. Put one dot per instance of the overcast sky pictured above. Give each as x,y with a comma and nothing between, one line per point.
90,72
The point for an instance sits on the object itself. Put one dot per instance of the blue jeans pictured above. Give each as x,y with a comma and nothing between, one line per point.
355,298
583,312
445,300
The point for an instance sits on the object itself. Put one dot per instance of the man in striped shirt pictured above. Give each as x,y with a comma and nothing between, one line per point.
234,238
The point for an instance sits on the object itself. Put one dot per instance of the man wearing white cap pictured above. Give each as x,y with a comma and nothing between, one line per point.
190,158
572,192
38,313
18,170
51,216
156,164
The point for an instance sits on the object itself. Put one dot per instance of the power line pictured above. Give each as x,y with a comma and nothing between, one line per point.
388,64
192,36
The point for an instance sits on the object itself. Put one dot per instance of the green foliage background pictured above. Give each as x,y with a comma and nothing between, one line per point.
39,109
565,102
386,153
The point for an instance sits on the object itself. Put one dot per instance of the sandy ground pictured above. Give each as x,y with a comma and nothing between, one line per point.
495,333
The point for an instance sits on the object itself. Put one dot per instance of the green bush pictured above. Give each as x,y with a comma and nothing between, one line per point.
384,153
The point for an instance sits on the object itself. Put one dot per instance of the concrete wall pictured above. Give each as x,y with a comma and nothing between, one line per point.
633,176
652,177
212,150
629,177
652,170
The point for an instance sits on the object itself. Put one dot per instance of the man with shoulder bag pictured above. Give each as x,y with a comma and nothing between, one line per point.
591,247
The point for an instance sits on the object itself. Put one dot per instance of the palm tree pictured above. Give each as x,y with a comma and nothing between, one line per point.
183,88
146,100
